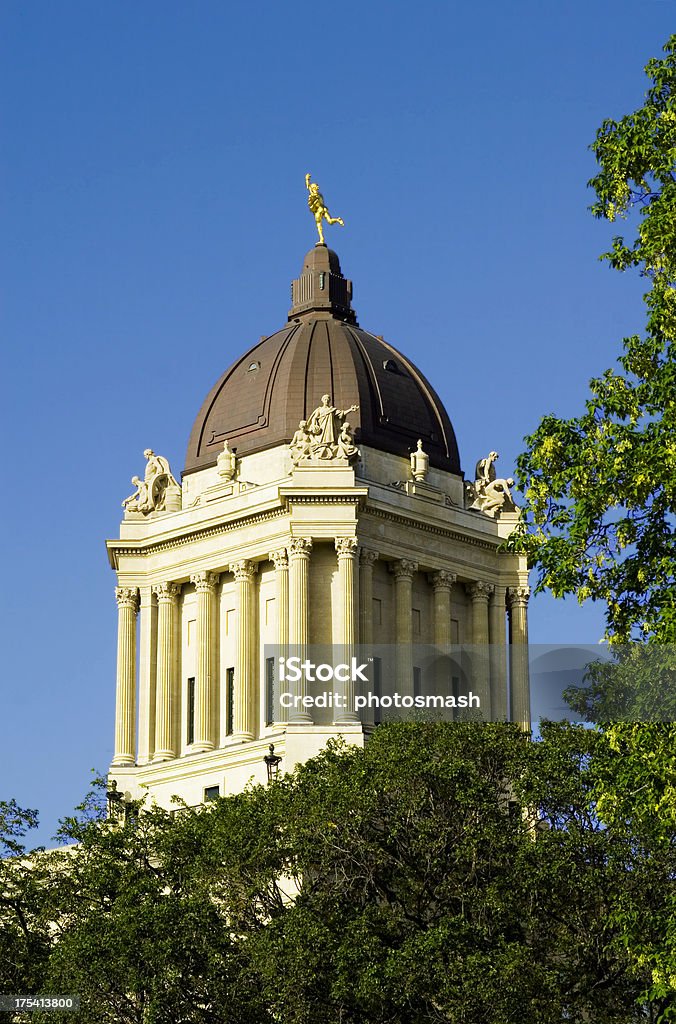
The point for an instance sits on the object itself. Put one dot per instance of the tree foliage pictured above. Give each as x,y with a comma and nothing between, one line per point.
445,875
600,488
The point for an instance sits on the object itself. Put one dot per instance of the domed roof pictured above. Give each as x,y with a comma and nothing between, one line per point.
260,400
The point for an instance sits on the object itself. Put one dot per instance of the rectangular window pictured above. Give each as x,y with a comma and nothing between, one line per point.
191,711
417,681
415,616
212,793
377,688
229,700
455,686
269,691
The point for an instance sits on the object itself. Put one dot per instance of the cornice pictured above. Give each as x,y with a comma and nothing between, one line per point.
441,531
135,550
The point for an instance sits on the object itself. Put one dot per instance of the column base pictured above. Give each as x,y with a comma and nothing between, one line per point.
163,755
348,718
301,718
201,748
242,737
123,761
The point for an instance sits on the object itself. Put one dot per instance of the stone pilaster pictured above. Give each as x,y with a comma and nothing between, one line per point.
205,677
348,551
367,559
497,623
403,571
147,676
442,584
480,594
517,604
125,702
280,558
167,602
299,565
244,703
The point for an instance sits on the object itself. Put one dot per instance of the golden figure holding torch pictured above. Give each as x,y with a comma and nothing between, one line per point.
315,201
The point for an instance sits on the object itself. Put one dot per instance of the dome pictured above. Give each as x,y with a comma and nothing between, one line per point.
260,400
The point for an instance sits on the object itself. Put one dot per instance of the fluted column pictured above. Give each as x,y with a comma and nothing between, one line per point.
280,558
348,550
517,603
299,565
480,593
403,571
442,584
245,574
125,702
167,601
497,623
205,689
367,558
147,676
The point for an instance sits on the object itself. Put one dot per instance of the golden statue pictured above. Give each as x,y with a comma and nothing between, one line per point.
315,201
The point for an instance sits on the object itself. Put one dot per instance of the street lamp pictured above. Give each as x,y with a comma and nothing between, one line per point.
272,763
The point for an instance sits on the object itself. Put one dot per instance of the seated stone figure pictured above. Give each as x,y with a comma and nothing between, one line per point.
489,493
158,491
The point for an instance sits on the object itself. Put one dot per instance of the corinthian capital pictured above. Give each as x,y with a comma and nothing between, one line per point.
205,582
280,557
367,557
167,592
300,547
442,580
127,597
404,569
347,547
244,570
518,596
480,591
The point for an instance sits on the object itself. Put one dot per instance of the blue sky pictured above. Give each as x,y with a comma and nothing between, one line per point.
154,213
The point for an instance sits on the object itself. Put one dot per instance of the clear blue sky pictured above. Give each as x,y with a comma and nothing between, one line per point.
154,213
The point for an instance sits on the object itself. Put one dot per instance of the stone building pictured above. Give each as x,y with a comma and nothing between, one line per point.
322,502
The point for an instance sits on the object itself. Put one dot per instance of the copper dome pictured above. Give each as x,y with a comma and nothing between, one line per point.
260,400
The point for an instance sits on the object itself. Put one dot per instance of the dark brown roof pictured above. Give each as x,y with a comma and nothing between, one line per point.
260,400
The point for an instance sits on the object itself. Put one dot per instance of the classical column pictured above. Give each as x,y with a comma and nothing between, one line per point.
280,558
480,593
367,559
147,676
125,702
517,603
245,674
205,695
403,572
167,602
442,584
348,550
299,564
498,653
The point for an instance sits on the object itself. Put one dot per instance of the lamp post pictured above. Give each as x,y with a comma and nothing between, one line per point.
272,763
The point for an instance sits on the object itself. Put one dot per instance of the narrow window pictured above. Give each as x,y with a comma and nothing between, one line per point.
455,687
269,691
229,700
377,688
191,710
417,681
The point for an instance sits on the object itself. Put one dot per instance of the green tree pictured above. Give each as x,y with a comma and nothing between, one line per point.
600,488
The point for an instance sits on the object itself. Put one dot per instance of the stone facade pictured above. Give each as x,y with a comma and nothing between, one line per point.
313,553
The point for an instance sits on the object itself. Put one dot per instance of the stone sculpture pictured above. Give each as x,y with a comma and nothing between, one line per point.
420,463
226,463
325,435
489,493
158,491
